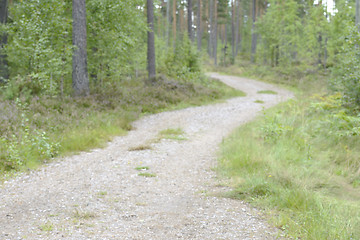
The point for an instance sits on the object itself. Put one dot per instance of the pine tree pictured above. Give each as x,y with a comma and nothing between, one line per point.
151,41
174,22
80,74
253,33
215,36
357,13
190,31
199,25
4,74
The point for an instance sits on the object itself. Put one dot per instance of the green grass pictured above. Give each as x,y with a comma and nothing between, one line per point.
259,101
146,174
300,162
32,131
267,92
47,227
140,148
83,215
172,133
142,168
102,193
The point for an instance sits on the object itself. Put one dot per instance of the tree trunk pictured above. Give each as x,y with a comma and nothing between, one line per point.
215,32
168,22
211,14
80,74
198,24
174,23
159,16
253,34
225,40
222,33
4,73
237,26
241,26
190,31
357,20
151,41
233,6
181,20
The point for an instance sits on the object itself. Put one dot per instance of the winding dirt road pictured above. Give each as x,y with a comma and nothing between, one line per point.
100,195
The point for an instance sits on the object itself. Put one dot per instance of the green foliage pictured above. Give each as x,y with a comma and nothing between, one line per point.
21,144
116,34
39,44
39,48
23,88
281,28
347,72
183,63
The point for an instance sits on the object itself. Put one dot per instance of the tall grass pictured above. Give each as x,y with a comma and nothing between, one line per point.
300,161
36,129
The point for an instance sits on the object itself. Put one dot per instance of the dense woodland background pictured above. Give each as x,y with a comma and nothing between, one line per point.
75,73
294,36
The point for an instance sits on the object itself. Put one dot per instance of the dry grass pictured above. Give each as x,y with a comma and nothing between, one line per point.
140,148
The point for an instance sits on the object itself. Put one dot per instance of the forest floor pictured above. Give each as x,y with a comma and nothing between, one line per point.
158,182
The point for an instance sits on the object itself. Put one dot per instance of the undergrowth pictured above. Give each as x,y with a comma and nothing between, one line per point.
36,129
300,161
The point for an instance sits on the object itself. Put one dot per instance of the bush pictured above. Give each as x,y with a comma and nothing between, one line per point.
184,62
347,73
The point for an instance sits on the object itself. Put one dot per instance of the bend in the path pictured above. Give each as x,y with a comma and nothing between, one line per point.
99,195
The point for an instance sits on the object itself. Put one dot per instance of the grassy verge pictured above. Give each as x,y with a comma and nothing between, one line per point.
300,162
34,130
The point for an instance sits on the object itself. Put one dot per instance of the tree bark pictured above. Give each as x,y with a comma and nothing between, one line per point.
233,6
181,19
190,23
151,41
357,19
4,73
240,28
174,23
237,26
211,14
80,74
198,24
253,34
168,22
215,32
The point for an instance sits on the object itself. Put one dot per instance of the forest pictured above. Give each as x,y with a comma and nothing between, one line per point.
75,74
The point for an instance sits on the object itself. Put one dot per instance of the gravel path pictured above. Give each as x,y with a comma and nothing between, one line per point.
99,194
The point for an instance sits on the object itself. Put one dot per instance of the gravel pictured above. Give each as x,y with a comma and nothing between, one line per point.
100,195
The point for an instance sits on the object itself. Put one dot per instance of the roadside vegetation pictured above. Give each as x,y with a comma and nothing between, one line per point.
300,160
36,129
